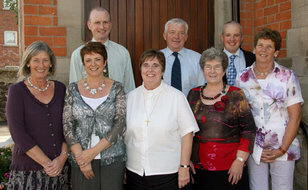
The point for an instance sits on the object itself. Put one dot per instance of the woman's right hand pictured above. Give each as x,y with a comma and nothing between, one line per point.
87,171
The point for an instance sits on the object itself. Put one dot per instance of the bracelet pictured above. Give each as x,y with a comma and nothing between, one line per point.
240,159
283,151
65,153
185,166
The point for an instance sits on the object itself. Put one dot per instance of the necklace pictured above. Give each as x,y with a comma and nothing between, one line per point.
216,96
93,91
262,74
148,116
37,88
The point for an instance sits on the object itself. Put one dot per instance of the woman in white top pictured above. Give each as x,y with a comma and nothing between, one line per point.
94,124
160,127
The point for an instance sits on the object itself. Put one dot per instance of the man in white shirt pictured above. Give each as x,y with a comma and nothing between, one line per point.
182,65
239,59
119,62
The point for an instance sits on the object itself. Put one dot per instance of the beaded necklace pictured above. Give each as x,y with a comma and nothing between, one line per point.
38,88
212,98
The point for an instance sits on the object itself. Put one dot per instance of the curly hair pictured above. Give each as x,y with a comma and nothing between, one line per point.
267,33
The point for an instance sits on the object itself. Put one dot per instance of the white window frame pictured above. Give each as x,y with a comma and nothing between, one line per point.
10,38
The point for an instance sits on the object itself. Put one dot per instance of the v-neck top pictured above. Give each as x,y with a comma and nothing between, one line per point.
32,122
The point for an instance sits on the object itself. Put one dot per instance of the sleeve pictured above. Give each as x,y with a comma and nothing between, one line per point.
246,124
201,79
15,109
119,123
294,94
129,82
186,119
75,67
68,118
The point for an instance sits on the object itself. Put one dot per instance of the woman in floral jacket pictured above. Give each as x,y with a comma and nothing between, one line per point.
227,128
274,93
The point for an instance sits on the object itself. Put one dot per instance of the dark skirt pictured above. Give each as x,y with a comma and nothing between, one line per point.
106,177
36,180
218,180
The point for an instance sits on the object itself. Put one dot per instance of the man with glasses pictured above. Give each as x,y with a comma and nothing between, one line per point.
119,66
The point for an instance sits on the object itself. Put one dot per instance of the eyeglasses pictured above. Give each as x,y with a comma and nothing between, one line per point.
148,66
215,67
266,47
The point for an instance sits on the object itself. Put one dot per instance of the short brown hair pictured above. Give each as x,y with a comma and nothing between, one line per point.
153,54
267,33
31,51
93,47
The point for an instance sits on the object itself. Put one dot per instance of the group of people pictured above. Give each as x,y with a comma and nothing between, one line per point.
225,119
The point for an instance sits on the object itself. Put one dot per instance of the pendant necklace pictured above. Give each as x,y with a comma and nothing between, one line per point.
93,91
38,88
216,96
148,116
262,74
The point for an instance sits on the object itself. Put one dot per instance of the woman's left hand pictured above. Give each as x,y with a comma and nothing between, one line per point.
270,155
55,167
85,157
183,176
235,171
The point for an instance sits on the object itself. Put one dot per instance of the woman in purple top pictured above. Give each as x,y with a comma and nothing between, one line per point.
34,114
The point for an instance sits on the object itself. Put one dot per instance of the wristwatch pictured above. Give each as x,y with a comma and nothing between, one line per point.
240,159
185,166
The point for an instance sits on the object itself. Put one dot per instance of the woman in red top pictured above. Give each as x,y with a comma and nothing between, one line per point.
227,128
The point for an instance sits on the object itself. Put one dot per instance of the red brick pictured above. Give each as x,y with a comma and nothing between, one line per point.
260,13
52,31
30,39
281,1
55,2
282,53
31,1
55,21
44,10
247,23
271,10
247,30
59,51
270,2
283,34
41,2
261,21
59,41
37,20
249,6
283,44
31,30
285,25
274,26
285,6
261,4
30,9
247,14
283,16
271,19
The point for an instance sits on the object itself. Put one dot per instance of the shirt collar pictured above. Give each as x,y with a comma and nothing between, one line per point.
106,43
237,53
155,91
169,51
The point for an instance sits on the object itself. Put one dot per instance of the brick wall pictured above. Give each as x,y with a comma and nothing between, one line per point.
9,55
41,23
257,14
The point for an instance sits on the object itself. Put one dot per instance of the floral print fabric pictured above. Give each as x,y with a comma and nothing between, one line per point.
269,99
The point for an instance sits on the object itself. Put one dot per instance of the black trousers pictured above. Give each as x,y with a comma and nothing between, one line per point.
218,180
155,182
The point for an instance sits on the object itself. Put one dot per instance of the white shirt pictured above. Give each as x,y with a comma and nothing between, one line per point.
119,65
94,103
191,72
154,147
239,61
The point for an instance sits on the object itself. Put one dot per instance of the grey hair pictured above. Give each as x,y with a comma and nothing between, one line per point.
31,51
214,54
176,21
99,9
232,23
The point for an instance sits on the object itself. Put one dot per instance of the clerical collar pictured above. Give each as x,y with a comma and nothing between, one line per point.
154,91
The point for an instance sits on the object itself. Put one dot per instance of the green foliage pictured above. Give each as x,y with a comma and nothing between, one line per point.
13,5
5,162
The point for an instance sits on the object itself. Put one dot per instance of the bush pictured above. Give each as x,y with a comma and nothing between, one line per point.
5,162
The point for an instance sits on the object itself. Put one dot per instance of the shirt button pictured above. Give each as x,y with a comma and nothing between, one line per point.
48,114
50,124
52,134
46,106
54,145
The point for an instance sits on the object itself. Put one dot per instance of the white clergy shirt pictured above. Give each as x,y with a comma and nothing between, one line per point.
119,65
191,72
156,121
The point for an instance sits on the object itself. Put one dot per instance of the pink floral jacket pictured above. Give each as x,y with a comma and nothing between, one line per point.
269,99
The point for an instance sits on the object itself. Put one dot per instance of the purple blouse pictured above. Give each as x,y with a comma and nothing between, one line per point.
32,122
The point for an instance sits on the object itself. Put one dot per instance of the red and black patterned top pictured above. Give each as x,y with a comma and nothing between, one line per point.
225,127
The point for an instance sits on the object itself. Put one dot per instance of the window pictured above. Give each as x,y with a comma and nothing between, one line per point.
10,38
5,5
